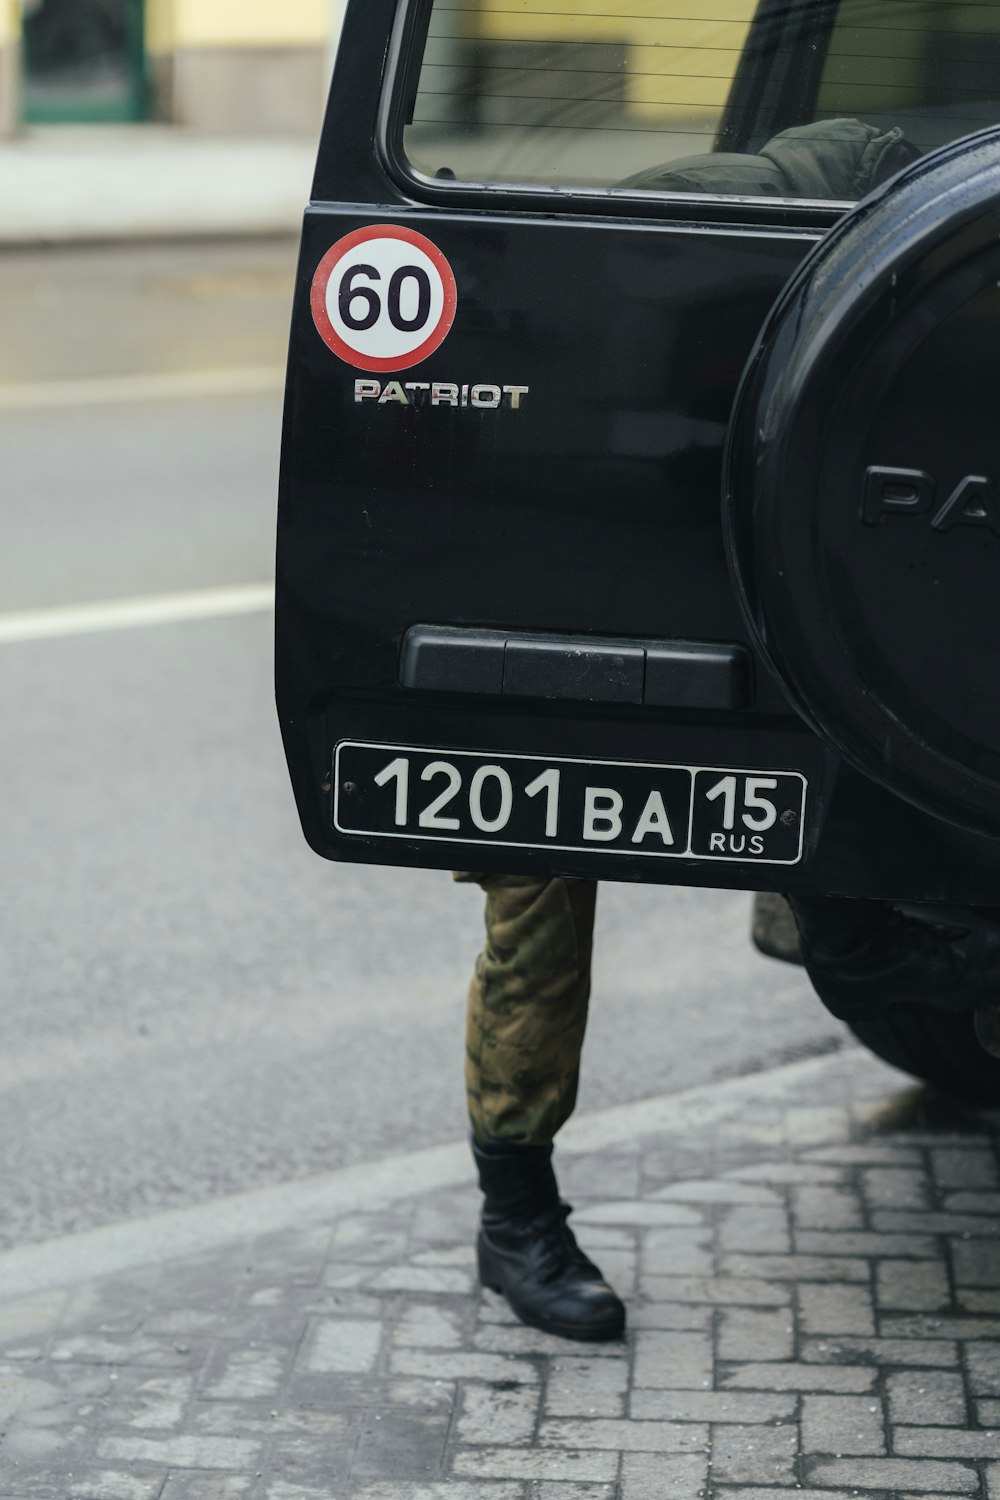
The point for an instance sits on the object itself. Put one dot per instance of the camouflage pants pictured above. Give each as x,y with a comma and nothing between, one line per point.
528,1006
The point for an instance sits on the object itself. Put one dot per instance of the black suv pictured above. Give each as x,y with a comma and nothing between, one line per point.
639,508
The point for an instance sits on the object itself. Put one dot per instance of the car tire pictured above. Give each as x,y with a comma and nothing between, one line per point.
937,1046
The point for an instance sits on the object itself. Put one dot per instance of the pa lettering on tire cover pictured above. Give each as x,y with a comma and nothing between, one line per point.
862,472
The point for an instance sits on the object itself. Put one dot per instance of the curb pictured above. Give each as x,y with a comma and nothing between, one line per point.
370,1186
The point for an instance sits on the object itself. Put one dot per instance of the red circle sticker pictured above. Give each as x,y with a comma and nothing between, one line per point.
384,298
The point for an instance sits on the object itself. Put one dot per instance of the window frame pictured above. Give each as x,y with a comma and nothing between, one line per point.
400,84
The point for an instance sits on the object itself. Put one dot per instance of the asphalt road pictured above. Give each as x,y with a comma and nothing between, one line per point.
192,1002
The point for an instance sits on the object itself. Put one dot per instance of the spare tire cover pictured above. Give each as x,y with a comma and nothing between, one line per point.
862,485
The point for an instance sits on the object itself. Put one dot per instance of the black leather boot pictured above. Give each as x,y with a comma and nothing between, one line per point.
528,1252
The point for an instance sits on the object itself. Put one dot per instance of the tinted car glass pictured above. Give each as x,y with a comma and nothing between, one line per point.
932,69
613,93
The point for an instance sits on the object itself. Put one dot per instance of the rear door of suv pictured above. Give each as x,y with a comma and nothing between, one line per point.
540,248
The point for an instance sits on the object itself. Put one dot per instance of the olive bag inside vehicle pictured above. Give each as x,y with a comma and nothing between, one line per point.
639,512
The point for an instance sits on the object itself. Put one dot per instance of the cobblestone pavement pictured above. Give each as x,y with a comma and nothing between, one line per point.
812,1265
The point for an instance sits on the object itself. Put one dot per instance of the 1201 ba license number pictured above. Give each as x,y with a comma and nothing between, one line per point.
617,807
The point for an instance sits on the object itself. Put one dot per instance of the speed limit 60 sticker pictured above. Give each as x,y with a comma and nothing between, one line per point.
384,298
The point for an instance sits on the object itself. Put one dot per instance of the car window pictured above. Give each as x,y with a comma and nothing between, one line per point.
933,69
811,98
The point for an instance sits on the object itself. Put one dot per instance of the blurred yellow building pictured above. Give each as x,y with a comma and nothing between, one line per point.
252,66
680,58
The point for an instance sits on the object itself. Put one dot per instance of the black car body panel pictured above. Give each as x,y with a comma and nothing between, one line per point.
575,499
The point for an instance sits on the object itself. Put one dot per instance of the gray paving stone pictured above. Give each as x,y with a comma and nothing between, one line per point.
899,1325
976,1262
565,1490
711,1406
886,1351
429,1326
716,1191
341,1275
930,1397
648,1476
754,1455
836,1308
920,1475
795,1268
392,1445
785,1173
156,1403
844,1379
245,1375
194,1486
969,1299
369,1239
446,1217
114,1485
463,1256
556,1489
343,1346
182,1452
685,1317
585,1177
623,1437
620,1268
535,1464
926,1442
464,1367
221,1419
812,1124
964,1168
868,1153
488,1415
864,1243
642,1212
675,1252
895,1187
306,1392
297,1256
909,1221
140,1349
31,1317
579,1387
516,1339
754,1228
912,1285
831,1208
752,1334
972,1203
799,1493
982,1361
412,1278
842,1424
719,1290
672,1360
451,1489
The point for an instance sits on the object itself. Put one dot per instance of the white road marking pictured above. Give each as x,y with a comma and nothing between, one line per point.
126,614
114,389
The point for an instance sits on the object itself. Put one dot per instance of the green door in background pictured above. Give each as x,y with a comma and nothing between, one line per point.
84,61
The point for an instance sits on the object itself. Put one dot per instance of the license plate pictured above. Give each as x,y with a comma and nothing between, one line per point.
530,802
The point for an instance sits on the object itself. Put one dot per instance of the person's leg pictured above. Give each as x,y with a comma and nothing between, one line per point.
528,1007
526,1020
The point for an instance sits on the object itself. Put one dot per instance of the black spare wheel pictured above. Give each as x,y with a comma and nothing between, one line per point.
863,485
